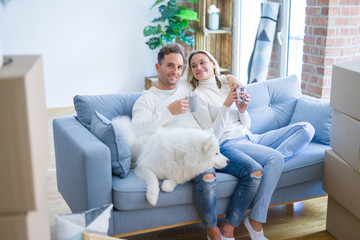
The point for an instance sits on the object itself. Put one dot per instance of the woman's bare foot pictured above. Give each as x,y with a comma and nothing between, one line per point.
257,226
213,233
227,230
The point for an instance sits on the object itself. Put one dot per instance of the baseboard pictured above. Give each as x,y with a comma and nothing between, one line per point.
61,109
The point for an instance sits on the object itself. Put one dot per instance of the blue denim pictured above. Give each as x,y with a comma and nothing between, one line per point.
205,198
269,151
265,152
240,166
288,140
205,192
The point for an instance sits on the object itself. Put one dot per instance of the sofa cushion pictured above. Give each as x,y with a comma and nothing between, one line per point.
110,105
129,193
316,112
272,103
112,137
305,166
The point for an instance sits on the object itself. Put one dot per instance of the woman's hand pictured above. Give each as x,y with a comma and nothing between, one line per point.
232,81
231,97
244,104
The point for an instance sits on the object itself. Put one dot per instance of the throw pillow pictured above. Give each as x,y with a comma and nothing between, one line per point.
94,236
72,226
112,137
318,113
110,105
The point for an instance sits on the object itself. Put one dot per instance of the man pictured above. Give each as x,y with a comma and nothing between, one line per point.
165,105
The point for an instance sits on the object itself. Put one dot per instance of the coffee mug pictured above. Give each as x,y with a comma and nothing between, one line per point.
192,102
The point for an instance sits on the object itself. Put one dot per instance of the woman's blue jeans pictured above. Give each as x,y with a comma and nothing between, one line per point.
267,152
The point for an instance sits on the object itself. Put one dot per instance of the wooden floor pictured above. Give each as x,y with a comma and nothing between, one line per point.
302,220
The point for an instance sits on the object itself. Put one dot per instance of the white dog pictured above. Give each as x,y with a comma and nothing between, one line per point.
174,155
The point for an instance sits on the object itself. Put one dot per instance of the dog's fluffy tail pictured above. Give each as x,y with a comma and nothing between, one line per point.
124,124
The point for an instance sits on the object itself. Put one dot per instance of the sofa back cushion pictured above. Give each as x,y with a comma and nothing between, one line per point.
109,105
272,103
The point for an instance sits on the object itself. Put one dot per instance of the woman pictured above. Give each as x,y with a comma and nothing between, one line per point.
247,152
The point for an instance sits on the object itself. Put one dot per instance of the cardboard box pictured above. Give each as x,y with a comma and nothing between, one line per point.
342,182
345,88
24,146
33,225
345,138
340,222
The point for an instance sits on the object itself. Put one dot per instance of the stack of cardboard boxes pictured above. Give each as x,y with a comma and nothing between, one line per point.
342,164
24,150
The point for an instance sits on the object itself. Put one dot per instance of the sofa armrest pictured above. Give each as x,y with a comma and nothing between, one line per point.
83,166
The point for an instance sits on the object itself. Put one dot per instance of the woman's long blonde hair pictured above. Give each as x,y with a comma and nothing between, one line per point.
192,81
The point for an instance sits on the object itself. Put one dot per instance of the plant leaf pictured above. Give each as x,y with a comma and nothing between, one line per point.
172,5
151,30
194,1
168,38
154,42
188,15
183,8
165,12
160,19
188,39
178,23
156,3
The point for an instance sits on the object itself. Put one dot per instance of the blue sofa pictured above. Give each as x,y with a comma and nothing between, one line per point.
84,173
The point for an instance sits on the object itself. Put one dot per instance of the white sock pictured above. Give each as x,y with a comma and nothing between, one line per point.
254,234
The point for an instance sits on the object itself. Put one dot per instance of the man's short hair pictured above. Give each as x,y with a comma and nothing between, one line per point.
170,48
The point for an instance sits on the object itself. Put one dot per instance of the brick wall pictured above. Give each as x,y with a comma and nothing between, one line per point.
332,36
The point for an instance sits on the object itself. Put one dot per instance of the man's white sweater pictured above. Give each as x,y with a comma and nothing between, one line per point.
150,111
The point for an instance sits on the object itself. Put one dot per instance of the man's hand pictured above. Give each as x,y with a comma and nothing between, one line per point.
179,107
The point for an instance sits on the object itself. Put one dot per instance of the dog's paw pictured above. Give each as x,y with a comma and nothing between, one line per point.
152,196
168,185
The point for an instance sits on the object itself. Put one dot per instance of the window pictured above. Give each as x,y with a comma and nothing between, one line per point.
247,17
248,21
296,37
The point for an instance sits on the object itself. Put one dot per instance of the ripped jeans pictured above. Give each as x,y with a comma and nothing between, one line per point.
267,152
205,198
205,194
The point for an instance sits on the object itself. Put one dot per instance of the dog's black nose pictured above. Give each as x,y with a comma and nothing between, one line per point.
227,162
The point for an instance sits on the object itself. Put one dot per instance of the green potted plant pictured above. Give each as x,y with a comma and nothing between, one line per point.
173,24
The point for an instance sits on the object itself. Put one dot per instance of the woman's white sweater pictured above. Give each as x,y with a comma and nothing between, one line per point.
227,122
